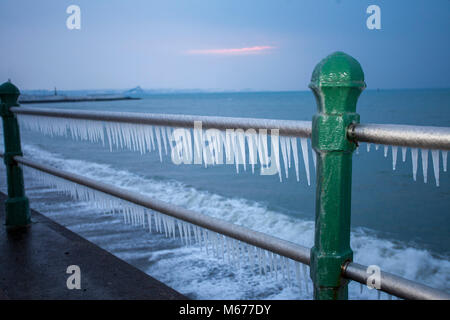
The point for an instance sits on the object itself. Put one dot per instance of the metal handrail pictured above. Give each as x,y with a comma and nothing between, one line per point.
395,285
286,127
428,137
390,283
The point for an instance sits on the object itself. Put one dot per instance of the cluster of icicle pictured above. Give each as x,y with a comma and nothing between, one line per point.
210,147
414,160
185,145
235,252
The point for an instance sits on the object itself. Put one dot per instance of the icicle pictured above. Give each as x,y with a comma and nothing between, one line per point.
314,157
164,139
304,144
158,140
238,253
271,263
276,266
227,240
288,150
368,147
305,278
288,270
275,139
284,155
252,150
297,273
377,147
258,251
241,141
206,236
386,151
414,158
295,154
264,263
222,249
424,153
180,231
394,156
444,160
404,149
435,157
251,257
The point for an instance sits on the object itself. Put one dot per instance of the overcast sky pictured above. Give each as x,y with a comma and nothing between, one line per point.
220,44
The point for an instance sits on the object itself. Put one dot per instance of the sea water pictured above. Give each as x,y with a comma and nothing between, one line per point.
397,223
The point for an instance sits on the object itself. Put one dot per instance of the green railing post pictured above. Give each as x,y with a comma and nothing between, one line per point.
337,82
16,206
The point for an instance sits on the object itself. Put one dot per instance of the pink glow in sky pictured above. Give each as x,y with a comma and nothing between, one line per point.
232,51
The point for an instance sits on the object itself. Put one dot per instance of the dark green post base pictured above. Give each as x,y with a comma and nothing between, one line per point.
17,212
17,206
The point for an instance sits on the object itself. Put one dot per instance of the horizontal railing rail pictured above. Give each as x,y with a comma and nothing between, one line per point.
391,284
286,127
394,285
428,137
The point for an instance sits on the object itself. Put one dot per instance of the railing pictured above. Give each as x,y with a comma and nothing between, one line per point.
335,131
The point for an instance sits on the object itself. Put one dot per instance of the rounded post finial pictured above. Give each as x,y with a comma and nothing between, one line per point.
9,93
337,81
338,70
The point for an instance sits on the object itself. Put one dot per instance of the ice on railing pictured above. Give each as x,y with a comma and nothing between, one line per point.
214,147
186,145
238,254
415,159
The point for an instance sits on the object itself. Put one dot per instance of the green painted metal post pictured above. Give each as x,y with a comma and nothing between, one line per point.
16,206
337,82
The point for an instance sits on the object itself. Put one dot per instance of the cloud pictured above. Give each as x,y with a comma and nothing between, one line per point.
232,51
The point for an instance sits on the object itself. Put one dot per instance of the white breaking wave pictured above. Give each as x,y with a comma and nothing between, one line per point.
191,268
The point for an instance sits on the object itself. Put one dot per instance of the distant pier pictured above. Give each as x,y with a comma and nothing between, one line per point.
60,98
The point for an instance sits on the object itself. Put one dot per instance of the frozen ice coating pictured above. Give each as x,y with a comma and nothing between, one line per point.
284,154
222,247
435,157
314,157
295,154
304,144
394,156
404,149
444,160
414,157
424,153
197,146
